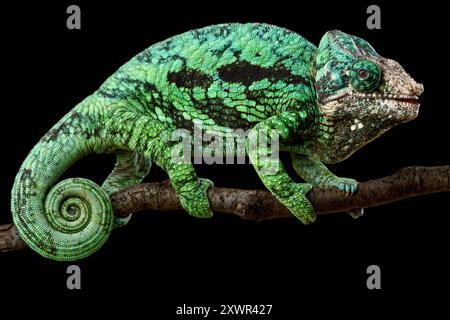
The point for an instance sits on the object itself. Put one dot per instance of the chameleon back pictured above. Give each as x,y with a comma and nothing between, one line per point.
226,76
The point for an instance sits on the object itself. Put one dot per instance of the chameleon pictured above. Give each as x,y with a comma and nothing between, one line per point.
325,103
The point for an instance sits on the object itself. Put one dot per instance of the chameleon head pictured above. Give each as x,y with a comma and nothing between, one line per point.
351,78
360,92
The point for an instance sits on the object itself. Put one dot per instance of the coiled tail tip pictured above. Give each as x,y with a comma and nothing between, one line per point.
75,221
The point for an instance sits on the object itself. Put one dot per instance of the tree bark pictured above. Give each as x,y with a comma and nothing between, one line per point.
10,239
260,205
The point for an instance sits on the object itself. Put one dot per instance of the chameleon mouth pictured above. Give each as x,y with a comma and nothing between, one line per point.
402,99
408,99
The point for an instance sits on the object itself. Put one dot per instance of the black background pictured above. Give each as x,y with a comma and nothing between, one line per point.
162,260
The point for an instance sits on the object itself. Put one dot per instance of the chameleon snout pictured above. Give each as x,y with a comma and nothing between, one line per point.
417,89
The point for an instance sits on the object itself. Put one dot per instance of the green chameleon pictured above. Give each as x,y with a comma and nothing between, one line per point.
324,102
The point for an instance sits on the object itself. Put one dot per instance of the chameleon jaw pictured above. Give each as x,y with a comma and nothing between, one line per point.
403,107
395,107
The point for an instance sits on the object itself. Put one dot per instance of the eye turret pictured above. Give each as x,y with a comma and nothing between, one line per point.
365,76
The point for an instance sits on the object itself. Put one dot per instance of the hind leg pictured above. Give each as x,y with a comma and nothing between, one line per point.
191,189
153,140
131,168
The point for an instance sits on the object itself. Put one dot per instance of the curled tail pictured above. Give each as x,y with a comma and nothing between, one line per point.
69,220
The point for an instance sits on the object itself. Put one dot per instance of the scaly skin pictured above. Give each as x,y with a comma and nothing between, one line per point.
324,102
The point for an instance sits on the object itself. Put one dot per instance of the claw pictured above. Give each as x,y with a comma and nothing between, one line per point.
347,185
347,188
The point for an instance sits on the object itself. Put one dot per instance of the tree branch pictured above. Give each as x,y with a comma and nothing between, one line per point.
10,239
260,205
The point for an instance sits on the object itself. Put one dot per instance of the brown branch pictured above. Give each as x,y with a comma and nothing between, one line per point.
10,239
260,205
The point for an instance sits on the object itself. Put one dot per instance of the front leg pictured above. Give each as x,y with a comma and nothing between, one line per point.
315,172
272,172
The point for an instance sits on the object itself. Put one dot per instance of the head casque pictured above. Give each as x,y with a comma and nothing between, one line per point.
360,93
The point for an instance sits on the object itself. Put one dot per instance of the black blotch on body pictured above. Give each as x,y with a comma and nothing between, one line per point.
189,78
246,73
150,87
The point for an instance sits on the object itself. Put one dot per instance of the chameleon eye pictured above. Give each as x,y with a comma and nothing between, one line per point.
365,76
